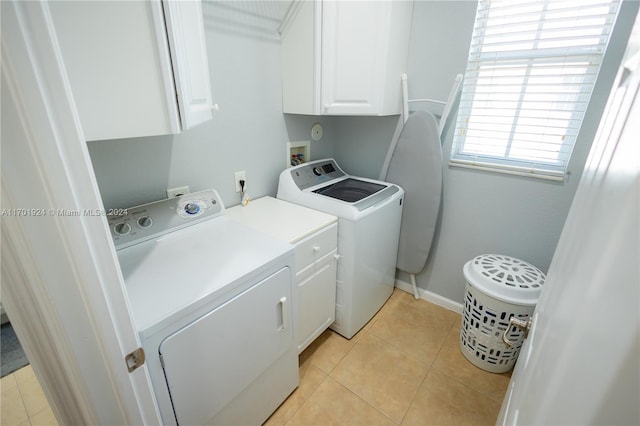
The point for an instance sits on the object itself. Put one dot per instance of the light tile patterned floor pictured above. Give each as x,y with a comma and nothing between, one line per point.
403,368
22,401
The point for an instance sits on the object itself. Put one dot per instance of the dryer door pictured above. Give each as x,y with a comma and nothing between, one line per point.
216,359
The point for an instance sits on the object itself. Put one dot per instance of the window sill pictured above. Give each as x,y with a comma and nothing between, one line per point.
510,170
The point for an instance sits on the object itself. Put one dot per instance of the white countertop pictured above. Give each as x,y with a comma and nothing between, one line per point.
281,219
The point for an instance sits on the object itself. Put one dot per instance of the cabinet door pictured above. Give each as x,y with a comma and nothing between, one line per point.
300,50
355,38
124,79
214,359
185,29
317,299
119,68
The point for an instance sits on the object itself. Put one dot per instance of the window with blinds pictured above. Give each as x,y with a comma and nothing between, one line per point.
530,74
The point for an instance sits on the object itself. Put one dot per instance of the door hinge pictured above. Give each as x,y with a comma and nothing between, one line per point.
135,359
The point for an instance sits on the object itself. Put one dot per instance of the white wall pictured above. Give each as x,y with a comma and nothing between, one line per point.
440,35
361,143
481,212
249,133
487,212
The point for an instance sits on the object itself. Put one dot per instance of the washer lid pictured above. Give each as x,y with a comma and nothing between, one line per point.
350,190
505,278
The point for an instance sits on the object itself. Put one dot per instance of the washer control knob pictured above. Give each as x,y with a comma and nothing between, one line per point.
144,222
317,170
122,228
191,208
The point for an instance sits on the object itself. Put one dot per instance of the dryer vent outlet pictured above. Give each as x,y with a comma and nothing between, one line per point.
176,192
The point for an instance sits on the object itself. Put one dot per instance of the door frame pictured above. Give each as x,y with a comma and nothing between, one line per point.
61,282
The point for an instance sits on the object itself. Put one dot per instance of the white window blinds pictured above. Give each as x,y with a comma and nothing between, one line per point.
531,70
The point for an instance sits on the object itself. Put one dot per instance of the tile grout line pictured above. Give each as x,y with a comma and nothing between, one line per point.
413,397
430,365
426,374
347,352
393,346
24,405
327,374
458,380
374,319
293,414
22,381
366,402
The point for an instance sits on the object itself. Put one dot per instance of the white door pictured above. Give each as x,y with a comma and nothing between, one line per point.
61,283
185,31
119,69
355,38
580,363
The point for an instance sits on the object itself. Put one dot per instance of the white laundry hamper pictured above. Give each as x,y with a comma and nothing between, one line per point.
498,288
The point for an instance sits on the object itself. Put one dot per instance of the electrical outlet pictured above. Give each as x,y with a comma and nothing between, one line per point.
238,176
176,192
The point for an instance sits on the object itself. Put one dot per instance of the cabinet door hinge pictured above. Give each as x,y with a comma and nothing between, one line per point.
135,359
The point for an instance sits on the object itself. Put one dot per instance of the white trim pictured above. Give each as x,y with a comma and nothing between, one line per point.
431,297
62,285
508,170
292,11
174,114
63,389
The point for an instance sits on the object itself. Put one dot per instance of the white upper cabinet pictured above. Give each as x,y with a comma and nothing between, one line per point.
136,68
345,57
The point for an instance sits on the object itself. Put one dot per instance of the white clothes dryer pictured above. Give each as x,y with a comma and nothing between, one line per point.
369,214
212,302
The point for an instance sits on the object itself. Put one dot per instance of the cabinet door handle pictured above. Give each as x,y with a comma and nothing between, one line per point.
316,249
215,108
285,310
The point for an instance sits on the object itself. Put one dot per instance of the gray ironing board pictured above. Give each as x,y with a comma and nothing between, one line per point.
416,165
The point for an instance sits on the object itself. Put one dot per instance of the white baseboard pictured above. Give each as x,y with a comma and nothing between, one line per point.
431,297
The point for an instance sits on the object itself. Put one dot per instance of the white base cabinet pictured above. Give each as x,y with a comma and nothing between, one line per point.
136,68
316,267
314,236
345,57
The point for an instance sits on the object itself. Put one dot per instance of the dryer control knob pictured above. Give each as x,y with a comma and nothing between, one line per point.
192,208
144,222
122,228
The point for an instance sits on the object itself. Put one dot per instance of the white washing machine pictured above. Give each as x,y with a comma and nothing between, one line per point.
369,214
212,301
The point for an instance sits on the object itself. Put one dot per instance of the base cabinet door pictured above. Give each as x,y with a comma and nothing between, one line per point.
317,299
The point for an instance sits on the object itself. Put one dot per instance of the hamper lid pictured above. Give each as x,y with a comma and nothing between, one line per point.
505,278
